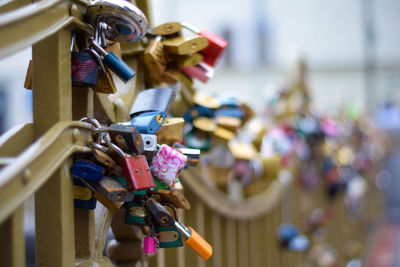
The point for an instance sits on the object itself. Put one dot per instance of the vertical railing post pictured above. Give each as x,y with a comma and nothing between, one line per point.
52,102
12,242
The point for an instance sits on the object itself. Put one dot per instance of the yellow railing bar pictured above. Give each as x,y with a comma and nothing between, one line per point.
247,209
31,169
29,24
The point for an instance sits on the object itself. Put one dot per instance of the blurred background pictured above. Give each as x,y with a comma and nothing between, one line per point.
351,48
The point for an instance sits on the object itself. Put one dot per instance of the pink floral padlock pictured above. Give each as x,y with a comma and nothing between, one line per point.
167,163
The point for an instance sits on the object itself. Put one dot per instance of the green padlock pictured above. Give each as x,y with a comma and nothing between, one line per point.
168,237
135,213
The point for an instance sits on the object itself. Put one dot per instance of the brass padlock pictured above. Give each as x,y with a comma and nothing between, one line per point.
176,198
168,28
154,57
171,131
28,78
184,46
242,151
230,123
224,134
189,60
205,124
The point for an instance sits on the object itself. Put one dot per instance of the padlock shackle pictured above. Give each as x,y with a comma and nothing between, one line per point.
190,27
98,47
185,232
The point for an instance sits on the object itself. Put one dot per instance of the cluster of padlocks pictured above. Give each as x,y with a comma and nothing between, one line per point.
134,165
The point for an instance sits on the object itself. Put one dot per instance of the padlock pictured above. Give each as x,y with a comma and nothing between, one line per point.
112,189
228,122
192,155
188,60
160,185
128,138
147,122
170,76
125,22
229,112
28,77
83,196
299,243
135,213
198,111
286,233
199,140
111,60
149,245
84,71
181,45
242,150
168,28
135,169
101,155
174,197
154,99
205,124
168,237
216,45
171,131
112,206
87,170
189,235
105,83
207,101
167,163
229,102
150,146
201,71
224,134
154,57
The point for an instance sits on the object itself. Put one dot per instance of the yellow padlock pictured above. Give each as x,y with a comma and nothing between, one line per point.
241,150
205,124
167,28
184,46
230,123
171,131
189,60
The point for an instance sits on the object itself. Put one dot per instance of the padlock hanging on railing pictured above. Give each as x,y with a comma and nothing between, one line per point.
216,45
189,235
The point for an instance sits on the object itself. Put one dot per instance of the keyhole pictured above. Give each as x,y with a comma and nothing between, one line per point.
194,45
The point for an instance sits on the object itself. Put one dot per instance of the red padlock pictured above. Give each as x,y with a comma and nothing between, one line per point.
201,71
135,169
213,52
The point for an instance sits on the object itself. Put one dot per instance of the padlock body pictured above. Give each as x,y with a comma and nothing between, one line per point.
230,112
149,245
112,189
147,122
201,72
87,170
84,70
154,99
105,83
154,57
198,111
216,46
83,196
199,245
137,173
167,163
168,237
135,213
127,137
119,67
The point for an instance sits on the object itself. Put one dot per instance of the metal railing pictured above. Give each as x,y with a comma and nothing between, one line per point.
35,161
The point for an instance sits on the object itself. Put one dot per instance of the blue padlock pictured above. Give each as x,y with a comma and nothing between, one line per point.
87,170
229,102
83,196
198,111
286,233
147,122
117,65
168,237
154,99
299,243
230,112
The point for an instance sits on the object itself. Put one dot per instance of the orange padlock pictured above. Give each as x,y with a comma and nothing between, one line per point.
195,241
